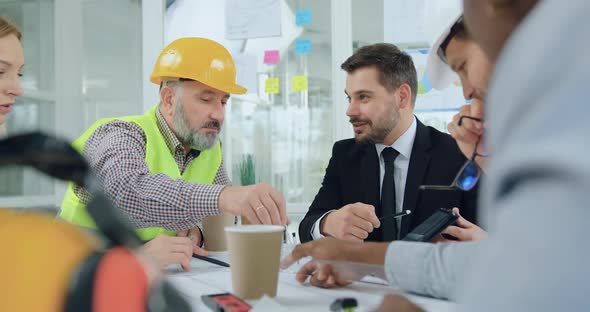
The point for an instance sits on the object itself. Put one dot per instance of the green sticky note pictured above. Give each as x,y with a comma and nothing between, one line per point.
298,83
271,85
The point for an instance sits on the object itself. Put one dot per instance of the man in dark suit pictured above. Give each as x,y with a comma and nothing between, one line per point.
378,173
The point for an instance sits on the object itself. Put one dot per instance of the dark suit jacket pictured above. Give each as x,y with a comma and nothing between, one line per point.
353,176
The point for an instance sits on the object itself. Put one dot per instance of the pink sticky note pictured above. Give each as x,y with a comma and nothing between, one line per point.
271,57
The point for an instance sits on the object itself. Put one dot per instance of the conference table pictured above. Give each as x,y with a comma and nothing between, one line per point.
207,278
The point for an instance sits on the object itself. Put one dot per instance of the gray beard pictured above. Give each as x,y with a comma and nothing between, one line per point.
186,135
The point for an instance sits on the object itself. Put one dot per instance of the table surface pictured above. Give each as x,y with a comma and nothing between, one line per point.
206,278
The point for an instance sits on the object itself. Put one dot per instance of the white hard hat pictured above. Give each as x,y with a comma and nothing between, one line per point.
439,73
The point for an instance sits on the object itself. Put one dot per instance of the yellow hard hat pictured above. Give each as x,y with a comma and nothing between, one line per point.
198,59
39,258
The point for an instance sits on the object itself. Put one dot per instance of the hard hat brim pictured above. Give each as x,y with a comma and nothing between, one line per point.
231,89
440,74
235,89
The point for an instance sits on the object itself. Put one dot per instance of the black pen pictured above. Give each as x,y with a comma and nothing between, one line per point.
397,215
211,260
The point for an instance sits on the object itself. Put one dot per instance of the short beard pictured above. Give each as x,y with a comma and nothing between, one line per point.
191,137
382,128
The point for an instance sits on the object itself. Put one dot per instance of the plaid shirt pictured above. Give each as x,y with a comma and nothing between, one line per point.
116,151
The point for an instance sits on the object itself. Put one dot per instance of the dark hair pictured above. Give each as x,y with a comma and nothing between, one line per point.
395,67
457,31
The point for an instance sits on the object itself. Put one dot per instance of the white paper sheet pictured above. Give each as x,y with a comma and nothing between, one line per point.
246,70
404,21
247,19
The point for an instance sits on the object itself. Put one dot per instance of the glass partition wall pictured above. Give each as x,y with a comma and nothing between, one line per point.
282,130
79,68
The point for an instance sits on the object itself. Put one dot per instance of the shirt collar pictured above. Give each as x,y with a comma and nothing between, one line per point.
404,143
170,138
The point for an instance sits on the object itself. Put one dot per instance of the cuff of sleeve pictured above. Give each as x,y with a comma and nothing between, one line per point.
315,230
205,201
404,265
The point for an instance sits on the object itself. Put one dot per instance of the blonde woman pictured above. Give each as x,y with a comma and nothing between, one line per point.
11,65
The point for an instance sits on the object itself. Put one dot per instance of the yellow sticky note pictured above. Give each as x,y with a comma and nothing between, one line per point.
271,85
298,83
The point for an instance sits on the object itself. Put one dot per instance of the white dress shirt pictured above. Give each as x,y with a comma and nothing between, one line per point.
404,146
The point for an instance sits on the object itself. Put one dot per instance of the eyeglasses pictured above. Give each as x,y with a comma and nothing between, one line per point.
469,174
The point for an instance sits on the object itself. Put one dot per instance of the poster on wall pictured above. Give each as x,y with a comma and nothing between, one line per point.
416,23
247,69
245,19
404,21
433,107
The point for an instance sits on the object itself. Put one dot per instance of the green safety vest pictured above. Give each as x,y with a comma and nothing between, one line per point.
158,158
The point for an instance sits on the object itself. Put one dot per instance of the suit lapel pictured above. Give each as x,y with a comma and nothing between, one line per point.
417,169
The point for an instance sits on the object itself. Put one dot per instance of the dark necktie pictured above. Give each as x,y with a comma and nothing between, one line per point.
388,225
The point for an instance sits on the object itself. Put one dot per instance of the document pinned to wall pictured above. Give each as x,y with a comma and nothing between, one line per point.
434,107
271,85
245,19
298,83
246,72
429,99
405,21
416,22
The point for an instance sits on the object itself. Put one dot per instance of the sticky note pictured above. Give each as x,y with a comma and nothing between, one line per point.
271,85
302,46
303,17
271,57
298,83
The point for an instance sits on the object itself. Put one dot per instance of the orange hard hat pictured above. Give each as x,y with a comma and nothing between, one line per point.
199,59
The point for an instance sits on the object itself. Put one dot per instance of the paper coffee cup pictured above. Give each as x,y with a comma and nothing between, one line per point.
244,220
214,231
254,253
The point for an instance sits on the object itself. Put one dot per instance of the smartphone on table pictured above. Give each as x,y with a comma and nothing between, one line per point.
225,302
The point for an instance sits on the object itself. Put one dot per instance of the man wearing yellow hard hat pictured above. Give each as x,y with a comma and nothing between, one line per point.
165,169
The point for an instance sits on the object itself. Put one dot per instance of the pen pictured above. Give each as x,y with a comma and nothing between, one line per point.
211,260
397,215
